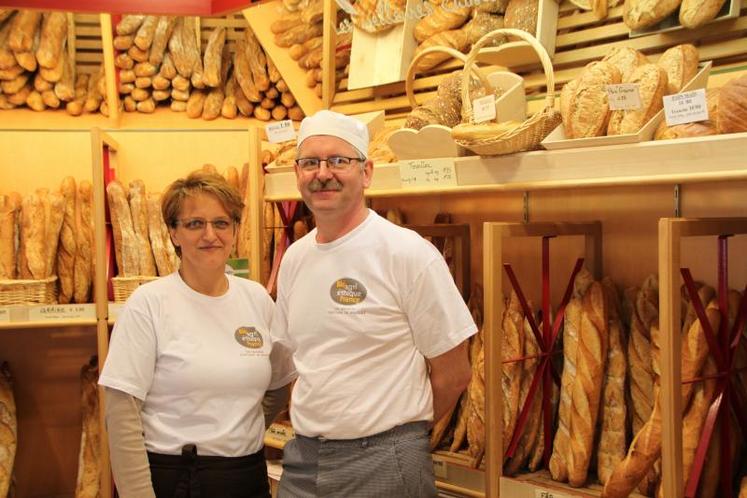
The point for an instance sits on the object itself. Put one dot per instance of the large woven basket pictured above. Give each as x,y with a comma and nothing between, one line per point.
508,139
28,291
124,286
412,69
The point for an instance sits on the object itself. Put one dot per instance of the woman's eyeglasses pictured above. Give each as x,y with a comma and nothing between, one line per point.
199,224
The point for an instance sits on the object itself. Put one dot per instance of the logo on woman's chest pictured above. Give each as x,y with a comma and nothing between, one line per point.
347,291
249,337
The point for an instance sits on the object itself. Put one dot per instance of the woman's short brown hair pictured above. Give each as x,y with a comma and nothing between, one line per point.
200,182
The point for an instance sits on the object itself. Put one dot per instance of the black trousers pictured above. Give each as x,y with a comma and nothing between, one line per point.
190,475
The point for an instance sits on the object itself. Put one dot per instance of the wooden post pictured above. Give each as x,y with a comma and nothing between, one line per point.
329,46
99,140
110,71
255,195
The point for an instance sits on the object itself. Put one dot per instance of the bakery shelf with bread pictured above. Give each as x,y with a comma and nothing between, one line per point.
645,18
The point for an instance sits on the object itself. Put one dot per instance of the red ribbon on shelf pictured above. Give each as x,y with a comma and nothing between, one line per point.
546,341
287,210
723,348
109,176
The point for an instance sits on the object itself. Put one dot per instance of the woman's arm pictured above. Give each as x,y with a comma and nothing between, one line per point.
273,403
129,459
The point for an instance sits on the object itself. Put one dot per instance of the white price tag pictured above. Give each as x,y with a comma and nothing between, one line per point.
280,131
4,315
543,493
484,108
427,173
687,107
439,469
62,312
623,97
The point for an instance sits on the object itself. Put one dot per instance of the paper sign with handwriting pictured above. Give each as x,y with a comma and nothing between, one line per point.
541,493
281,131
62,312
624,97
427,173
483,108
687,107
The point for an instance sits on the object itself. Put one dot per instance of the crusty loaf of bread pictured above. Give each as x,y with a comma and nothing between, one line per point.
88,483
639,14
68,244
453,38
83,270
640,373
8,429
589,110
732,106
681,64
139,211
33,229
591,356
54,216
522,14
440,20
571,330
613,411
512,347
476,420
695,13
652,86
626,60
125,241
8,238
160,241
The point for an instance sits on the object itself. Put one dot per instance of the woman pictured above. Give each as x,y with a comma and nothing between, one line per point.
191,361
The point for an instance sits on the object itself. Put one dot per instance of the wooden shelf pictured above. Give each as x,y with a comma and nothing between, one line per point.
534,484
25,119
455,474
702,159
166,119
260,18
47,316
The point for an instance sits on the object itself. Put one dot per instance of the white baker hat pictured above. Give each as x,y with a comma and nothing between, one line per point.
337,125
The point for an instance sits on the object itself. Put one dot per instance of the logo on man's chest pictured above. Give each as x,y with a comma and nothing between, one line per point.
347,291
249,337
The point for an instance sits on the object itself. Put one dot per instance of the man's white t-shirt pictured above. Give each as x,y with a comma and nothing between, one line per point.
361,314
200,364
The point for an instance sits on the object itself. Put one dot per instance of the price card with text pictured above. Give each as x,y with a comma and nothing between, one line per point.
62,312
428,173
687,107
439,469
281,131
483,108
4,315
623,97
543,493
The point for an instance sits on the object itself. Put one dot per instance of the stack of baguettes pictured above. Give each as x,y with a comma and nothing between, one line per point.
47,234
88,482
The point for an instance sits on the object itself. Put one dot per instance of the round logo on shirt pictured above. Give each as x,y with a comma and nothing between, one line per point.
249,337
347,291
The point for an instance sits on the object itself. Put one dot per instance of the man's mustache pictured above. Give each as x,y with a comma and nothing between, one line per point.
316,185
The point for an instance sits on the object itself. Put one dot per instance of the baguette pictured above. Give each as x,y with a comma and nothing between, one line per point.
8,236
164,30
8,429
68,247
613,412
257,61
125,241
440,20
159,237
139,210
55,206
146,33
641,374
7,59
512,347
83,269
89,467
23,28
213,59
129,24
52,40
476,418
571,332
243,73
33,227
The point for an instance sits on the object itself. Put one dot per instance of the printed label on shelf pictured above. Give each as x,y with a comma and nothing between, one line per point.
428,173
4,315
542,493
280,432
687,107
484,108
281,131
62,312
440,469
623,97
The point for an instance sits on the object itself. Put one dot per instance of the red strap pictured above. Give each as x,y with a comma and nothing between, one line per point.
111,260
713,344
705,437
528,313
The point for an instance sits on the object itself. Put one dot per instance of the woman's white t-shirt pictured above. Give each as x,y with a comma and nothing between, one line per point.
200,364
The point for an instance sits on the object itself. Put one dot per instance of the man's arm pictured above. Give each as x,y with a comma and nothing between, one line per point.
450,375
274,402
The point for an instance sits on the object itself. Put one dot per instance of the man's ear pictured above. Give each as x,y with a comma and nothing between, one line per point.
367,173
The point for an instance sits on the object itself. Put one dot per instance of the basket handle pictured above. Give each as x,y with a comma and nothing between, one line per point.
536,45
410,79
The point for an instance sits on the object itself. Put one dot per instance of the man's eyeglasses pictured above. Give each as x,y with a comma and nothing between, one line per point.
335,163
199,224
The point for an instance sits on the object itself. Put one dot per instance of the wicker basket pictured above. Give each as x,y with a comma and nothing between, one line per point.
124,286
514,138
28,291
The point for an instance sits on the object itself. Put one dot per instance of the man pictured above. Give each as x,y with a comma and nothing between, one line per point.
377,327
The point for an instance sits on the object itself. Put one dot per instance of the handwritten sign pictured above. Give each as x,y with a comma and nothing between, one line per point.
623,97
687,107
427,173
4,315
542,493
62,312
484,108
280,131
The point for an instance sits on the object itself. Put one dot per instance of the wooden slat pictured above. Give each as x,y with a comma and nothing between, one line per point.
587,18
